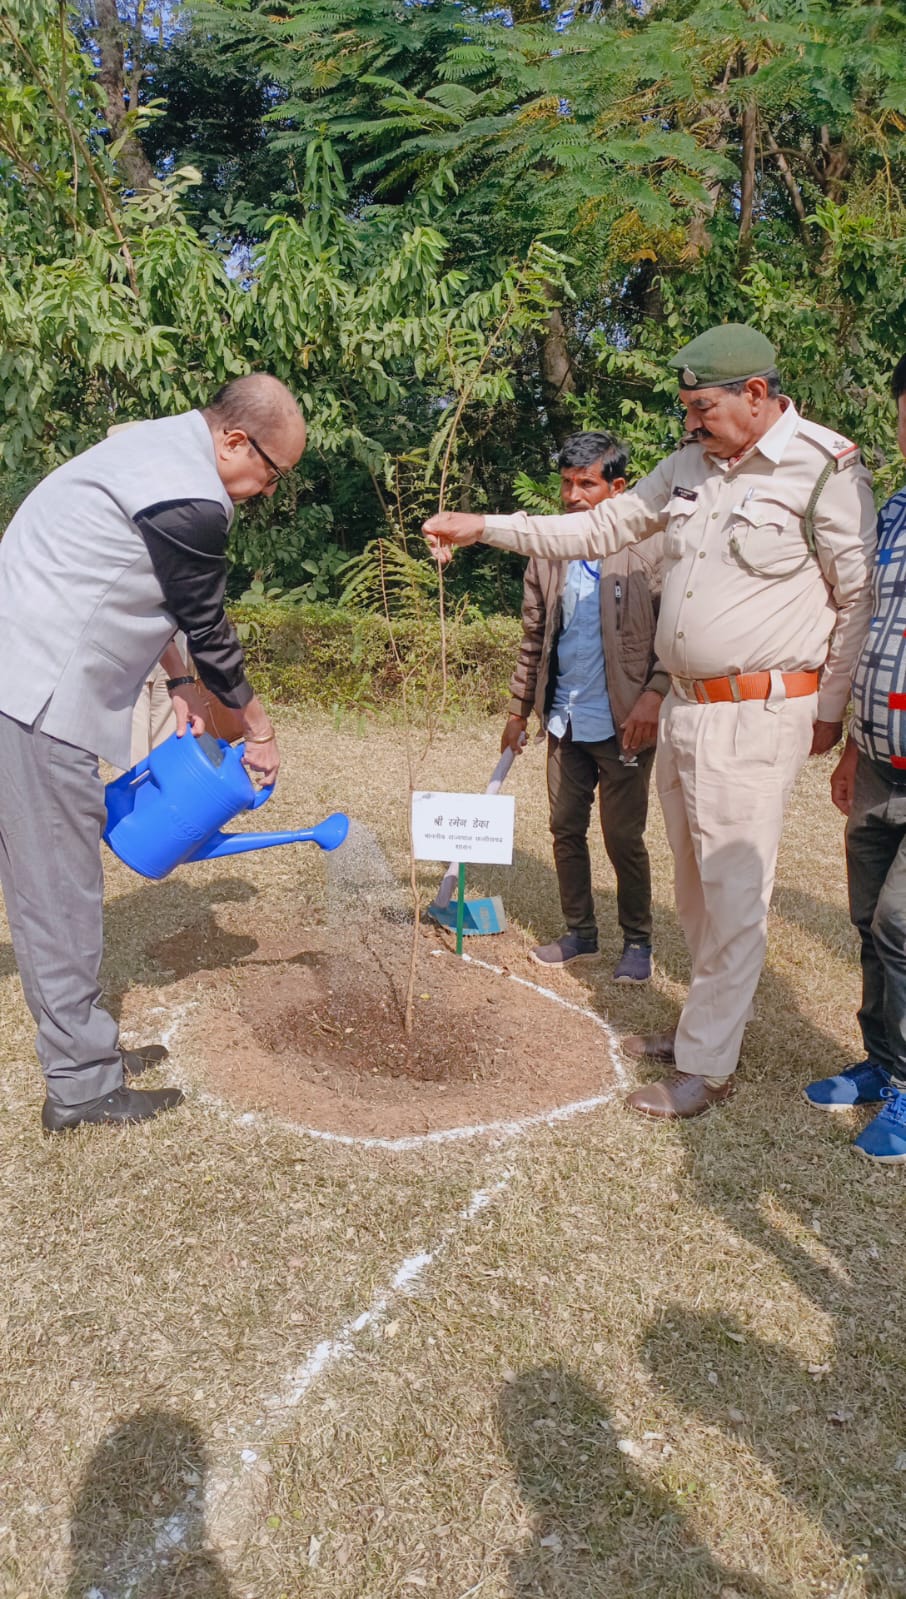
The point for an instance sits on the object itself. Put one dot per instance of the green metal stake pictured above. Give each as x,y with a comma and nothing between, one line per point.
460,905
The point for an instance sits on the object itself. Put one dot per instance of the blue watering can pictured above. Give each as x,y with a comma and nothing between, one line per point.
169,809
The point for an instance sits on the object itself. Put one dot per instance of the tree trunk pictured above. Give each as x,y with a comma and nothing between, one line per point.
790,184
557,376
834,167
747,191
133,163
465,487
650,290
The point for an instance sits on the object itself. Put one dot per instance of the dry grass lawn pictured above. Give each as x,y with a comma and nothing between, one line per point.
604,1360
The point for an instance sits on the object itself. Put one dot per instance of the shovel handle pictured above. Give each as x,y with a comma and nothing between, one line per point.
498,776
445,891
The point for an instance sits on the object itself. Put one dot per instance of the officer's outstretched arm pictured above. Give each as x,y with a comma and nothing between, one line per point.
633,515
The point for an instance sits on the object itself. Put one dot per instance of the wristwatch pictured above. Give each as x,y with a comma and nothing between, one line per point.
177,682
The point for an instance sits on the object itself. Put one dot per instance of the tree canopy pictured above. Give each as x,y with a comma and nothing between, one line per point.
457,232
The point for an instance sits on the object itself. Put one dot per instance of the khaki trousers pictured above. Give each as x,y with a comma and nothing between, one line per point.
724,774
154,718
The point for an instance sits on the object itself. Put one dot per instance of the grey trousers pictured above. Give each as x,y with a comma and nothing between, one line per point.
51,818
876,870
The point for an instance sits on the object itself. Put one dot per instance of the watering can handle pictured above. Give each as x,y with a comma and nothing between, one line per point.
140,771
262,795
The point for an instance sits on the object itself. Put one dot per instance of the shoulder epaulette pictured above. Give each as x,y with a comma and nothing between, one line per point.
842,451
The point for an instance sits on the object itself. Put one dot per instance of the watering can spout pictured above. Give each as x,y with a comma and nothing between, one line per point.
328,834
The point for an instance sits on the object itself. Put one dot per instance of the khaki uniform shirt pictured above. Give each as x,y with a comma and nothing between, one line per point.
741,593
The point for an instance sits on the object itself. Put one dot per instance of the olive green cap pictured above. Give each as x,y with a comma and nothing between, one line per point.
727,354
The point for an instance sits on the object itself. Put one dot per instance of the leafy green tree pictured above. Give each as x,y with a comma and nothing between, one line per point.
345,190
115,306
214,105
696,161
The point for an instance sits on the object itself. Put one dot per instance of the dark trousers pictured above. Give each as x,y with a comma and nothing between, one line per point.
876,869
574,770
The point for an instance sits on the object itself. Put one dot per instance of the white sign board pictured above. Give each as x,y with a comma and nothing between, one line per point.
463,827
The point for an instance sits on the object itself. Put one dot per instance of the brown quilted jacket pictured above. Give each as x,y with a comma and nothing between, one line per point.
630,593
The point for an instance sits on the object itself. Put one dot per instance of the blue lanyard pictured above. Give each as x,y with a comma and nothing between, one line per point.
591,572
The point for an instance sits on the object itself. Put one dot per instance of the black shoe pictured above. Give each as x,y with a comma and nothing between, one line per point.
123,1106
143,1059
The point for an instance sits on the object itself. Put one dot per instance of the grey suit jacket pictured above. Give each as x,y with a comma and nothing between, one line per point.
83,610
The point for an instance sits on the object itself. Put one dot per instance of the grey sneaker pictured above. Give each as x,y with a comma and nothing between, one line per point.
564,950
634,965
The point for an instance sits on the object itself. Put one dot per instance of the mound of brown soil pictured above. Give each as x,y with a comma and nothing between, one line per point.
314,1031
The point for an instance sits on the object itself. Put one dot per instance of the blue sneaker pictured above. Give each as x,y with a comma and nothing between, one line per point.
884,1138
862,1084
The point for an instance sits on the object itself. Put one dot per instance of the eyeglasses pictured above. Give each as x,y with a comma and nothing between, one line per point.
279,475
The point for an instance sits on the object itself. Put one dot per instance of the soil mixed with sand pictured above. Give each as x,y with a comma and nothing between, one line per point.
312,1028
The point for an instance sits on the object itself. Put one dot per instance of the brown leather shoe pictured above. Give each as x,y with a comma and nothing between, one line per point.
650,1046
679,1097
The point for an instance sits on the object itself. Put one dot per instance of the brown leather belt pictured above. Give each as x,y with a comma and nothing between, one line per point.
743,686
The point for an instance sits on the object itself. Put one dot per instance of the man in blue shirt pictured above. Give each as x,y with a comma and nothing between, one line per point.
587,667
869,786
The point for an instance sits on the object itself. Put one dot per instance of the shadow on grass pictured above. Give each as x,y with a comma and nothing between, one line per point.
138,1523
828,1437
599,1527
165,931
134,920
807,1051
774,1171
194,942
132,926
756,1153
530,893
818,918
136,950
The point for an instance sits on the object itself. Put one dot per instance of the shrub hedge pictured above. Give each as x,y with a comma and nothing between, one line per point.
324,656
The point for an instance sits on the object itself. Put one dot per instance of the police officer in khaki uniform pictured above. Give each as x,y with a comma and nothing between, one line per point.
769,528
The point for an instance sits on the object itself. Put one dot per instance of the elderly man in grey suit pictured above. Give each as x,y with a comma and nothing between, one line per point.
101,564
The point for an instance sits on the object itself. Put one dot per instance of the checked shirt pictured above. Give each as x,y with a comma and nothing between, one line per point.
879,684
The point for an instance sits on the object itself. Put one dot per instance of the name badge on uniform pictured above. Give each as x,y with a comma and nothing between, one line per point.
678,510
681,503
